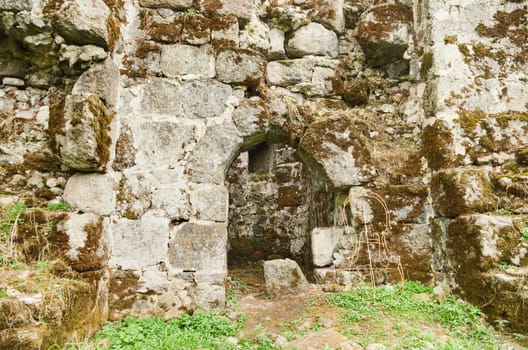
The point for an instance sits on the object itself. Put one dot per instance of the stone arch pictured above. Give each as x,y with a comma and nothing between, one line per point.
331,147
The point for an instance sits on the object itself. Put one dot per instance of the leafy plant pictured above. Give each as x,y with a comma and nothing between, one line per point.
411,305
505,212
11,216
524,233
61,206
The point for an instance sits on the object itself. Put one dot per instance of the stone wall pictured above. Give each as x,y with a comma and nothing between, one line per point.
409,119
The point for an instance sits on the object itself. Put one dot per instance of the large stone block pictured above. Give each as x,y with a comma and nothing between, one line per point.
251,118
85,141
162,96
135,191
405,203
15,5
384,33
204,98
101,80
163,143
136,244
330,12
91,193
284,276
224,32
215,151
196,30
336,150
209,202
462,191
177,60
325,241
240,66
478,242
85,245
312,39
84,22
196,247
314,76
242,9
173,199
172,4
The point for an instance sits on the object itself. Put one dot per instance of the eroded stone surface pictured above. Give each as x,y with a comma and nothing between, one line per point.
284,276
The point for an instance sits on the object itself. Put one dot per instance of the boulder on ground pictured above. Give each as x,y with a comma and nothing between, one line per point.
284,276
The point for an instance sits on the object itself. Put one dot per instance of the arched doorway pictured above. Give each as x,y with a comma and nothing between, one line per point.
273,207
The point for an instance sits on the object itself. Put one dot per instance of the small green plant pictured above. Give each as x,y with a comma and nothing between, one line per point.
3,293
11,216
61,206
505,212
43,266
191,12
524,233
501,324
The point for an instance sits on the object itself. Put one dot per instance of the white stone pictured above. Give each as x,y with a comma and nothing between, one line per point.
181,60
313,39
209,202
172,4
13,82
240,66
325,241
276,39
284,276
91,193
136,244
84,22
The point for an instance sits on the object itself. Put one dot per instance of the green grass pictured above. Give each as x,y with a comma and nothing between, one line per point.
61,206
407,315
524,233
10,217
203,330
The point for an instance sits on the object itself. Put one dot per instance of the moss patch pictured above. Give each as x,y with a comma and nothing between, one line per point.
510,25
102,127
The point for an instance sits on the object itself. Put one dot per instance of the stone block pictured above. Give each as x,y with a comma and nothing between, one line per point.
198,246
314,76
461,191
161,27
404,203
240,66
162,96
172,199
91,193
209,296
177,60
86,237
209,202
384,33
242,9
336,149
330,12
215,151
251,118
15,5
162,143
276,39
135,190
83,22
312,39
478,242
284,276
85,141
224,32
325,241
102,80
136,244
196,30
172,4
204,98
